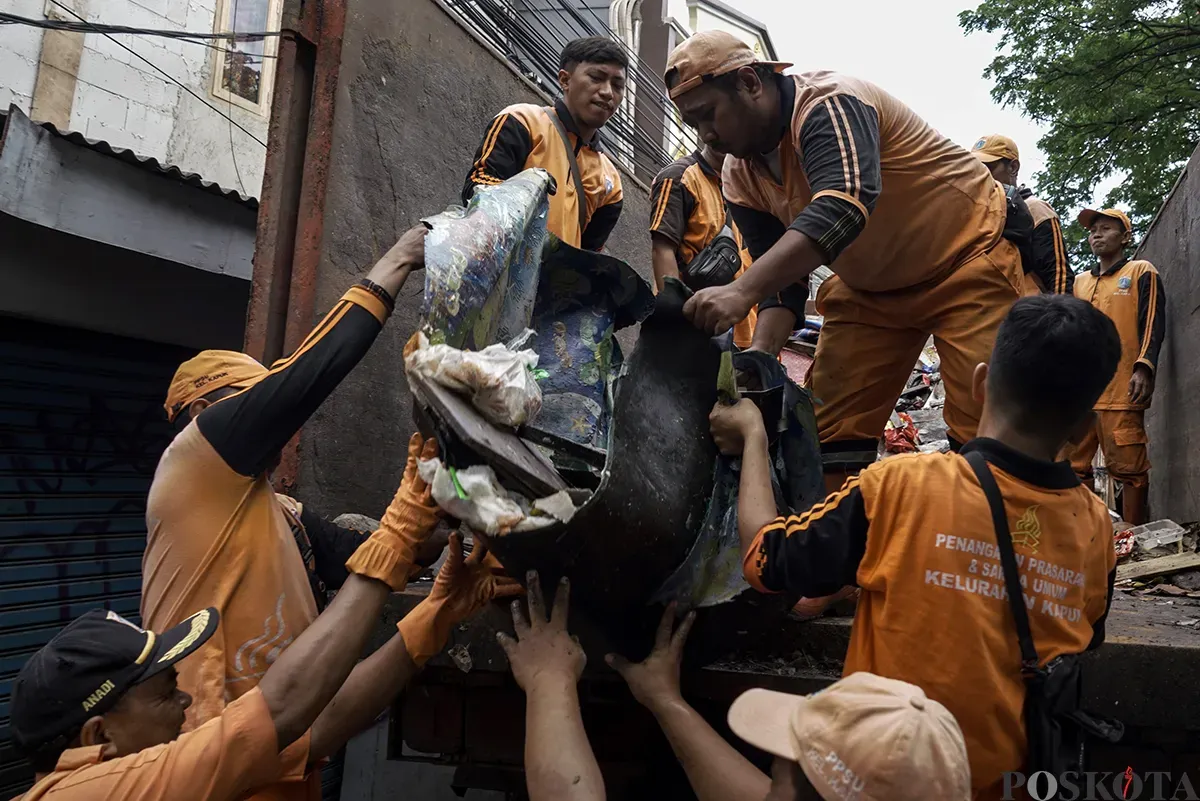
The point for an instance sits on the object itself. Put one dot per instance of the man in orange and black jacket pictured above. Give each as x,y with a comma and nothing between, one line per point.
1130,292
1049,270
592,78
687,213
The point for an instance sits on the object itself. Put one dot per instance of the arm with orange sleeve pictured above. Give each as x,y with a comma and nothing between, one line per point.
249,429
671,206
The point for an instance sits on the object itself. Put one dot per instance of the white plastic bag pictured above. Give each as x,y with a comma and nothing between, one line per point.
475,496
499,381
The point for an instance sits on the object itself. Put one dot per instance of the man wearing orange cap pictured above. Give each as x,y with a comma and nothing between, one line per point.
1131,294
828,169
218,534
1049,270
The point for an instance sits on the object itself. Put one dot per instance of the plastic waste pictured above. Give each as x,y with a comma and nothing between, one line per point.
499,381
1157,534
474,496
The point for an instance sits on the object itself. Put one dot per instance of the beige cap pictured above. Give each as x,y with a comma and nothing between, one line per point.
864,738
1087,217
995,147
707,55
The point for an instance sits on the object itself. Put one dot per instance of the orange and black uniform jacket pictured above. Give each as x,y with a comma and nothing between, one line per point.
1131,294
915,533
688,208
1049,251
219,535
890,201
523,136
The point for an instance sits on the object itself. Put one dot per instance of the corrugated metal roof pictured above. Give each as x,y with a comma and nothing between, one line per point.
148,163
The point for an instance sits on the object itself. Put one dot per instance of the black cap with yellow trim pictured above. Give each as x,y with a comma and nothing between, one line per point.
86,668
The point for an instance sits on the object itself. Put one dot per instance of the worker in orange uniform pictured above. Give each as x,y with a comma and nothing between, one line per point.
1131,293
218,534
828,169
687,213
564,140
100,710
1050,270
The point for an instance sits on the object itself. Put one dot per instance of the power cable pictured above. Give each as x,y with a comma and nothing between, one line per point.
96,27
159,70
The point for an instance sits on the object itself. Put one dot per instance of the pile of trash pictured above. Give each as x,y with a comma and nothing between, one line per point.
1159,561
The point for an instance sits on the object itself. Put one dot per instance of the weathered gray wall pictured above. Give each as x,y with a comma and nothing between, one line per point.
1173,422
415,94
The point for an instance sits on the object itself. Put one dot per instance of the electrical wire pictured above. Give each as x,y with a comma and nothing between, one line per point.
96,27
159,70
232,149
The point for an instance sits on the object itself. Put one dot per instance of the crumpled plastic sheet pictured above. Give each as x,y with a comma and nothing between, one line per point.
474,496
712,572
482,263
582,299
498,380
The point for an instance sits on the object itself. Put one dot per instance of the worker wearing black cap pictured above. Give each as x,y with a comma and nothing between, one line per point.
99,713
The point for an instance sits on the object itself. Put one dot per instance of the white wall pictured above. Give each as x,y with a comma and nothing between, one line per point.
121,99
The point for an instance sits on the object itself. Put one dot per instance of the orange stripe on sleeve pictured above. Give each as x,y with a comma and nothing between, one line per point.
661,208
1151,309
853,148
797,523
841,145
361,297
755,560
1060,258
489,141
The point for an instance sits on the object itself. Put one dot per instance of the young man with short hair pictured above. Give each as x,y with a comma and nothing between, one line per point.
915,533
100,712
592,76
1050,271
687,212
1131,294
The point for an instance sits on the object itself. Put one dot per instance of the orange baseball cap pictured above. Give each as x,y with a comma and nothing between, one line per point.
995,147
707,55
864,738
1087,217
207,371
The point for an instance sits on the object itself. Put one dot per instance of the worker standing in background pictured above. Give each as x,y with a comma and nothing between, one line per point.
218,534
688,212
1050,270
564,140
1131,294
829,169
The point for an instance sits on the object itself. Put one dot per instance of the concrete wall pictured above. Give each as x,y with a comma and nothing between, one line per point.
1173,423
416,92
121,99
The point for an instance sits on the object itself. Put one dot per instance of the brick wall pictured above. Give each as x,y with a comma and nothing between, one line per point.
123,100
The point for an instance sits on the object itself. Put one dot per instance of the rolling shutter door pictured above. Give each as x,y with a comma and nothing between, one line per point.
81,431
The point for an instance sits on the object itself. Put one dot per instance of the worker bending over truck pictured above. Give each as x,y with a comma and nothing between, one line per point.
916,533
564,140
1131,294
828,169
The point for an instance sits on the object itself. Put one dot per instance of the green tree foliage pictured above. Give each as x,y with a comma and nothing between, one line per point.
1117,83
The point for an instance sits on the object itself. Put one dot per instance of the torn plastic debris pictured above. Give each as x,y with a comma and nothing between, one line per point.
475,496
499,381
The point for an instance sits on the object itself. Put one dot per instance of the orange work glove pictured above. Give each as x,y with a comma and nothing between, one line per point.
389,553
462,588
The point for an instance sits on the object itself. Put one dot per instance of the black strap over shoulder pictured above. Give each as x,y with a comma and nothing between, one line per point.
1008,558
574,167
